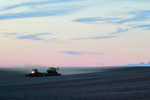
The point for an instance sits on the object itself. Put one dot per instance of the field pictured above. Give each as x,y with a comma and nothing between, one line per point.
127,83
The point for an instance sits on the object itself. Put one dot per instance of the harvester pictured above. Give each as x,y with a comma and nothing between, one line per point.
50,72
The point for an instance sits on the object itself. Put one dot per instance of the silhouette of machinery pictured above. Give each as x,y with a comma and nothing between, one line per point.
50,72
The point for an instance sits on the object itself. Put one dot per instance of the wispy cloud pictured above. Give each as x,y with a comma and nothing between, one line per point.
33,14
96,19
73,52
33,36
37,3
146,26
44,37
80,53
119,30
136,16
39,9
95,38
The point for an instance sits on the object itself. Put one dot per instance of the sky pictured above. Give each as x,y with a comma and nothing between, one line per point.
72,33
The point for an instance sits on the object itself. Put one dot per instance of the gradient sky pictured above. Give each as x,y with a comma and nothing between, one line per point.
74,32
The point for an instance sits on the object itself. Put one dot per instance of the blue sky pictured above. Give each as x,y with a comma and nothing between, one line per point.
83,32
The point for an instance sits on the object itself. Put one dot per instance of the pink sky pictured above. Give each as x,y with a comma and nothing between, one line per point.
74,33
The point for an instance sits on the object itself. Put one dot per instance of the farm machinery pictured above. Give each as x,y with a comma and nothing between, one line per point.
50,72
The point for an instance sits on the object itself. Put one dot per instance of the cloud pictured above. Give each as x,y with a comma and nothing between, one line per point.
37,3
119,30
33,14
73,52
39,9
146,26
80,53
95,38
136,16
45,37
96,19
33,36
140,64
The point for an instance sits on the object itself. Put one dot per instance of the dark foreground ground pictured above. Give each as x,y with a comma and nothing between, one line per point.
114,84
